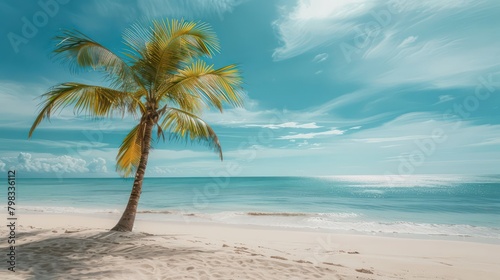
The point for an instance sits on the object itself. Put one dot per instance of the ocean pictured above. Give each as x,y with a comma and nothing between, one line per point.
464,207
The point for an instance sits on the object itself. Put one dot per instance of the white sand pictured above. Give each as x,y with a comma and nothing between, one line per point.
53,246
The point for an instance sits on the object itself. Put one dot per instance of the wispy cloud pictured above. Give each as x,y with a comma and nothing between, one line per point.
312,135
20,98
403,47
407,42
311,125
445,98
487,142
309,24
392,139
310,118
320,57
406,130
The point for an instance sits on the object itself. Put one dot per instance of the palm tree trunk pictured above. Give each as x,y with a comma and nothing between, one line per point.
126,222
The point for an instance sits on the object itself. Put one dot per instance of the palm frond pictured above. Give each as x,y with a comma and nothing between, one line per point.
184,125
82,52
137,39
95,101
214,86
137,102
129,153
161,50
185,101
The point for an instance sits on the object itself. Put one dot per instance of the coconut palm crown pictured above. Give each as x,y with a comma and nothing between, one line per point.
161,79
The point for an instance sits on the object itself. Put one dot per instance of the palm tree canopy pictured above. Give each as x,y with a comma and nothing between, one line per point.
161,78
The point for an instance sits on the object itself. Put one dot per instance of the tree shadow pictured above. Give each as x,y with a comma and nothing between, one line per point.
105,255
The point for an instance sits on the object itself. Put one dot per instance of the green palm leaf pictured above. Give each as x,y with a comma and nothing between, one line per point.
129,153
214,87
81,52
94,101
162,49
184,125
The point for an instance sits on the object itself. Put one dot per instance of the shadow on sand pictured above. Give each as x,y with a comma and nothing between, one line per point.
105,255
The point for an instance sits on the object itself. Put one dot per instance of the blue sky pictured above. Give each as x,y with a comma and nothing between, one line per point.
333,87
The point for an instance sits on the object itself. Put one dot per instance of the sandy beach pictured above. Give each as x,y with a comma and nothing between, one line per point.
57,246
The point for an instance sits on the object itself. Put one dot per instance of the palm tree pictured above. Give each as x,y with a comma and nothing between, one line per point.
162,81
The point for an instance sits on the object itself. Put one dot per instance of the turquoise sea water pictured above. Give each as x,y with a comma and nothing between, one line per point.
422,205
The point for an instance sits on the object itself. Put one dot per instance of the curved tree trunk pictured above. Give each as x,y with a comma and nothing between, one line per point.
126,222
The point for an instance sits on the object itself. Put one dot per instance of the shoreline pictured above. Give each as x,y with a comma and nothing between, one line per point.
236,251
178,217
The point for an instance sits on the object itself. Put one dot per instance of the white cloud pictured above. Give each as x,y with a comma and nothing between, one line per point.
320,57
408,41
445,98
56,164
311,117
309,24
61,164
313,23
340,101
311,125
304,143
313,134
403,46
392,139
97,165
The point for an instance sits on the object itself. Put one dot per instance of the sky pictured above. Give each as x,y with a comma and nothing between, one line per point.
333,87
